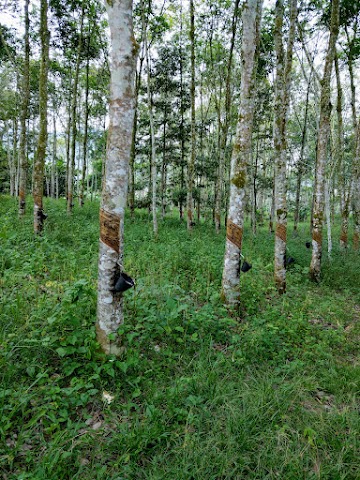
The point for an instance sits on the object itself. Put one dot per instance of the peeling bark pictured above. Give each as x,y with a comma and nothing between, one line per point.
113,203
241,156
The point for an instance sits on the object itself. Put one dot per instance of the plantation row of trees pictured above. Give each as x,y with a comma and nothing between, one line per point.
222,109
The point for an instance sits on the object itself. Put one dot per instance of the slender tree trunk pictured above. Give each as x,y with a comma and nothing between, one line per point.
115,182
272,209
226,123
182,122
328,217
153,145
39,163
54,152
300,165
241,155
355,187
164,167
282,89
254,189
12,158
344,193
86,130
74,102
9,159
191,162
134,131
133,141
24,114
322,147
68,133
356,191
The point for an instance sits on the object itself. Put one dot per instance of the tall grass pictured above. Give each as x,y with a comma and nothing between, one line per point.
200,392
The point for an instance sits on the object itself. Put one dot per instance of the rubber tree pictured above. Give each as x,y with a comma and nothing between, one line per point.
39,163
282,90
191,162
225,125
115,181
24,113
73,113
241,155
339,151
322,147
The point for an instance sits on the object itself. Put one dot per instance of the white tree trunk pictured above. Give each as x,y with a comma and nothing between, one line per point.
241,156
112,211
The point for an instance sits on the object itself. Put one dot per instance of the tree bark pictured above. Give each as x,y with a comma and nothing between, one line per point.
241,155
355,187
153,145
74,100
224,128
54,153
136,102
115,182
24,114
344,191
322,148
86,128
39,163
282,89
300,165
191,162
12,158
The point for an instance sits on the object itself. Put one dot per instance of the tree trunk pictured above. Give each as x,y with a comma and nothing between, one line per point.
224,129
241,155
356,191
74,100
253,188
39,163
86,130
54,152
328,216
300,165
344,192
355,187
131,194
191,162
24,114
113,203
12,157
182,122
164,167
282,89
322,144
153,146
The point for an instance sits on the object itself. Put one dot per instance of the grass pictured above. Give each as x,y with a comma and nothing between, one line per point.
199,393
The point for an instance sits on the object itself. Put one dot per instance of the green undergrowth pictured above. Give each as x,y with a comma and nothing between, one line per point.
200,393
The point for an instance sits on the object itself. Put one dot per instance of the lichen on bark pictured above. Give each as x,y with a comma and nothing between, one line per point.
121,115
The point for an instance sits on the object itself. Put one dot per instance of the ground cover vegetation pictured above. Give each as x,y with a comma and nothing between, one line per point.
198,392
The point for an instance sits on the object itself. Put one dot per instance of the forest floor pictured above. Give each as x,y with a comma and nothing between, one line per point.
199,394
